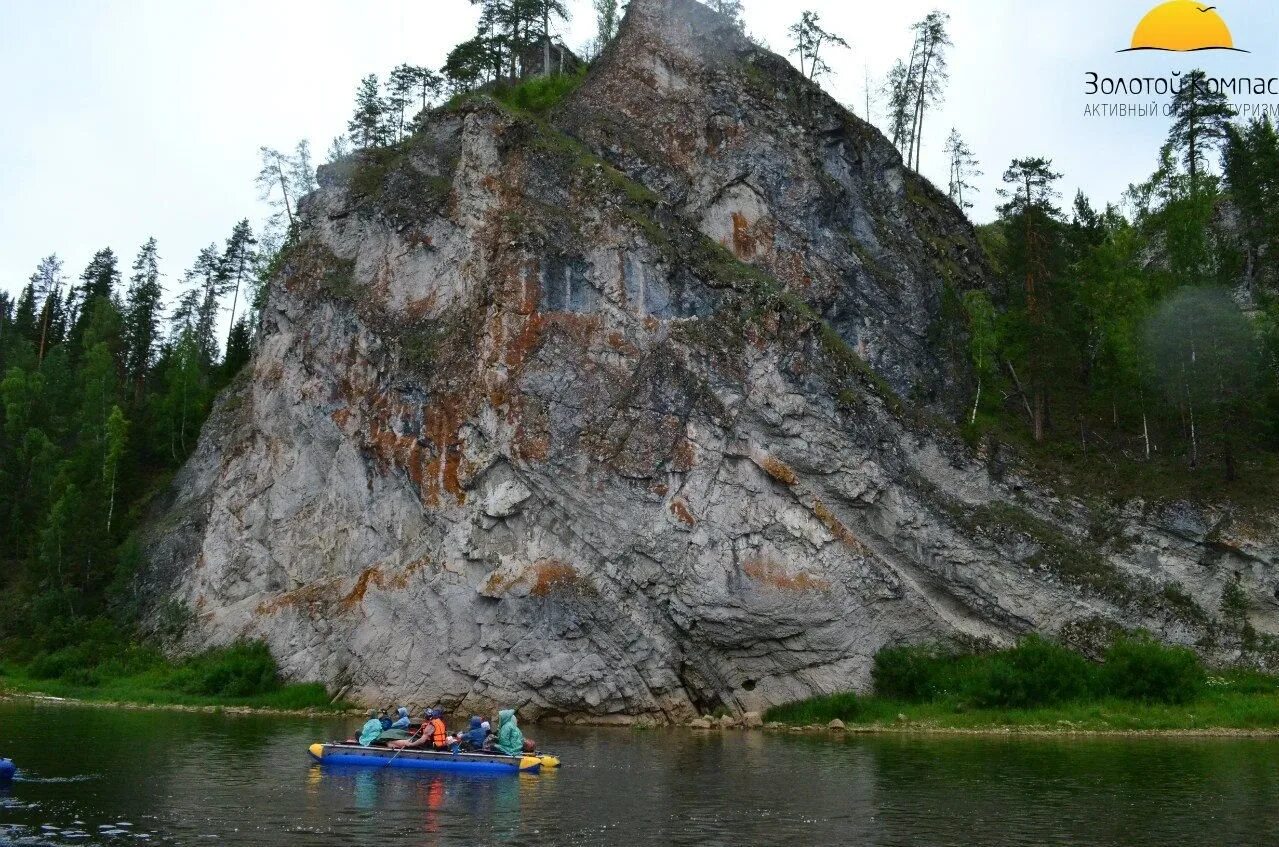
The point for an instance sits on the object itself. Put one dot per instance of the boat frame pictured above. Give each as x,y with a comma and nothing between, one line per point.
353,755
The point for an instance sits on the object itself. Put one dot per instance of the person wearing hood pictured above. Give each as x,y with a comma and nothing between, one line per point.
402,722
473,738
510,741
372,729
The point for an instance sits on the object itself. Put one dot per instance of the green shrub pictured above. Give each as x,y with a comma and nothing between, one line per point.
908,673
1143,669
246,669
1036,672
539,94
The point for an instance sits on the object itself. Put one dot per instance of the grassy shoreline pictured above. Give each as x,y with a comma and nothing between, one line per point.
127,694
1225,713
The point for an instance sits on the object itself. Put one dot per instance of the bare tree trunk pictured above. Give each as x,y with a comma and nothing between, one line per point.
1030,415
1040,407
976,403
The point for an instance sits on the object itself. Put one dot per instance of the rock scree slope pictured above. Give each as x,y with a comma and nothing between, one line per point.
631,412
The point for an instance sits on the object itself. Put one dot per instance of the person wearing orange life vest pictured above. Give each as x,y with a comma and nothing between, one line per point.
432,735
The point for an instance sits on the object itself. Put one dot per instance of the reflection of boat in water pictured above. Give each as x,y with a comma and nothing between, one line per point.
353,755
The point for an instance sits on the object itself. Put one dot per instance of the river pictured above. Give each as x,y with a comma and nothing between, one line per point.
102,776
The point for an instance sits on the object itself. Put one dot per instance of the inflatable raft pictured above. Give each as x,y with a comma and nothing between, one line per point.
7,770
353,755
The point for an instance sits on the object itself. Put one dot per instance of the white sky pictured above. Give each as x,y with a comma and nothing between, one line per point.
143,117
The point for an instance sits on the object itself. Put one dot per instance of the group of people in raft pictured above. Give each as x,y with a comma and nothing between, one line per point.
431,734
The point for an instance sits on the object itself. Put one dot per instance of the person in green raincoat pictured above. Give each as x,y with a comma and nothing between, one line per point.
372,729
509,738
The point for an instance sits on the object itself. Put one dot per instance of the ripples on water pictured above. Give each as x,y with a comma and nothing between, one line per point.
155,778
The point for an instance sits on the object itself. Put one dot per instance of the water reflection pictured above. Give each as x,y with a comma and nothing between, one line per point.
192,779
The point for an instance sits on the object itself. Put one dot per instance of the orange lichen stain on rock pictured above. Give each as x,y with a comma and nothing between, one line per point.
661,489
341,417
356,595
769,572
681,511
778,470
683,455
652,324
837,528
442,470
744,245
551,575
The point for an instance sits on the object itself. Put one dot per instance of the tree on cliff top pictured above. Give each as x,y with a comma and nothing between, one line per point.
809,38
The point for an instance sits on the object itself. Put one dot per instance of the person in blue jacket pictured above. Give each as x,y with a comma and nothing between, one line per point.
402,721
372,729
473,738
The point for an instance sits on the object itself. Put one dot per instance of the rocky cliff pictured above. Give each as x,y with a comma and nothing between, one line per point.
638,410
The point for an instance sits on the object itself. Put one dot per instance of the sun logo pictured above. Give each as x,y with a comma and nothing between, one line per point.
1182,26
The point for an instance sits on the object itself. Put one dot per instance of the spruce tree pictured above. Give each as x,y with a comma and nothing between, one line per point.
100,279
142,313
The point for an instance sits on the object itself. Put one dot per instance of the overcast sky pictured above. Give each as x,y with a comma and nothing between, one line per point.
130,119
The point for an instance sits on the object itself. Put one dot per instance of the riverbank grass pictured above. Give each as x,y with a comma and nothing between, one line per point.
241,676
1141,686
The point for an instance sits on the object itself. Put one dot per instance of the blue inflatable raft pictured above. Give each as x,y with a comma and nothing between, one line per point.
353,755
7,770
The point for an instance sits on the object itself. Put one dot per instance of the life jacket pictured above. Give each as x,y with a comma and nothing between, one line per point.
438,734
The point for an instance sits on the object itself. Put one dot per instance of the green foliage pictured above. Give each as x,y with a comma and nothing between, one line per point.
1140,684
539,94
1144,669
910,673
242,670
1036,672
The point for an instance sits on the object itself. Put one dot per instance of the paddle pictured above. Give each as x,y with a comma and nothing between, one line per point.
418,734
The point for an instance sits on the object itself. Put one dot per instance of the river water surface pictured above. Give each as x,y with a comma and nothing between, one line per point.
113,777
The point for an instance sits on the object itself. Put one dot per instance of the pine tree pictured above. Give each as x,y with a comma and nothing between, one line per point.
963,167
543,12
931,69
369,126
900,95
470,65
142,315
238,264
196,311
809,38
401,90
274,179
46,284
1032,222
302,170
1201,116
607,20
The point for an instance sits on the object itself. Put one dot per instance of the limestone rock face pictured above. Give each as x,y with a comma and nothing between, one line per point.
629,414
